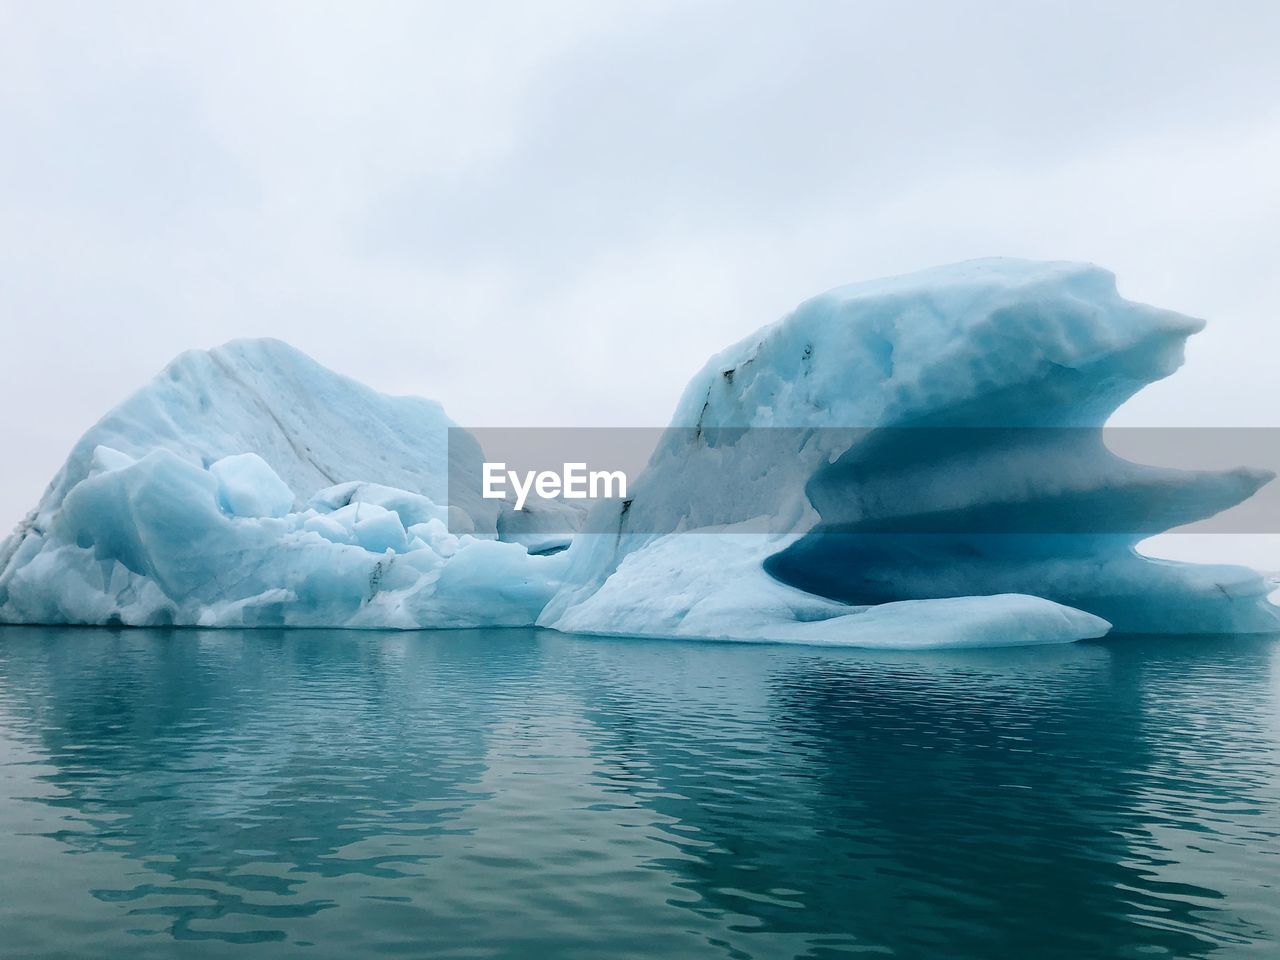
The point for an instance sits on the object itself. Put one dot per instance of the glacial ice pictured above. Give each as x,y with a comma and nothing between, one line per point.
229,492
152,541
249,486
1024,359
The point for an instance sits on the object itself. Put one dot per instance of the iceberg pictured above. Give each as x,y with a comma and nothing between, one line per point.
912,462
880,435
229,492
315,428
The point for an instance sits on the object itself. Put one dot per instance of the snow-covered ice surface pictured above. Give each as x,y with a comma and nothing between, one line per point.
247,485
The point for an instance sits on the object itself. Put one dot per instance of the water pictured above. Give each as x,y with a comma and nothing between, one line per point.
525,794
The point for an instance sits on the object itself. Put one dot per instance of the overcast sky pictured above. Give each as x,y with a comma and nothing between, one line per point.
553,213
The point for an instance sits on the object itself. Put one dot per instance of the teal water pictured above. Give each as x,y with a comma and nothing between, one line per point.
524,794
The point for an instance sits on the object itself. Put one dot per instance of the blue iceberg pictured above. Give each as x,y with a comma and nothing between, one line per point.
229,492
810,489
1014,364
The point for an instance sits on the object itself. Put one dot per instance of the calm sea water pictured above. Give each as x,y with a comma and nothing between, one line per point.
526,794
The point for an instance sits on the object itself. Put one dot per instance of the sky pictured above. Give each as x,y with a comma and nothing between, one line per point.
553,213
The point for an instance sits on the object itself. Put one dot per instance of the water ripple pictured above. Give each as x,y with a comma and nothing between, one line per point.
522,794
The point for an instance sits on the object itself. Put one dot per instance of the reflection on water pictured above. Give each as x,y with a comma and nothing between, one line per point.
525,794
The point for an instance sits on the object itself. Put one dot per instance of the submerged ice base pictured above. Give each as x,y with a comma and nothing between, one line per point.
249,486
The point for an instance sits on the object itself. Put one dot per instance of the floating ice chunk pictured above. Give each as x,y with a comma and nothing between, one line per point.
176,508
1038,353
